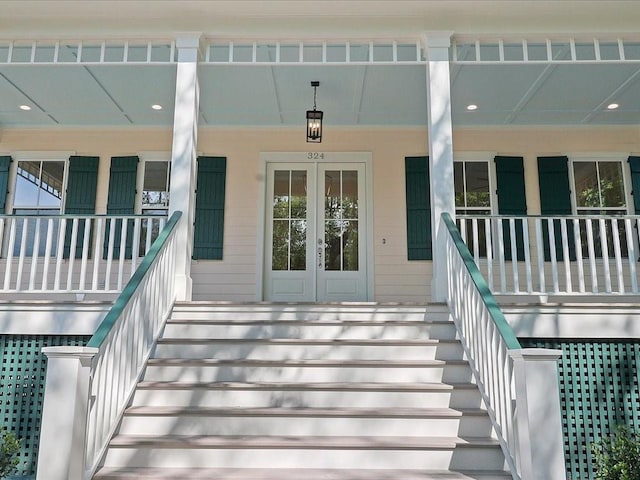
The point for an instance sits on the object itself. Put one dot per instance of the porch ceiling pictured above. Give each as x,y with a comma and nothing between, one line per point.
274,95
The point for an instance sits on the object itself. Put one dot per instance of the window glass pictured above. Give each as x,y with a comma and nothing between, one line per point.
155,188
471,185
38,191
39,185
599,185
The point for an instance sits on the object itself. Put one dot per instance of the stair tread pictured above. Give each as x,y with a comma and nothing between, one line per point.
340,412
307,341
107,473
300,442
318,386
303,363
309,322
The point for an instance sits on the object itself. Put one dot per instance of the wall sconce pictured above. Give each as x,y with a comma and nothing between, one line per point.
314,119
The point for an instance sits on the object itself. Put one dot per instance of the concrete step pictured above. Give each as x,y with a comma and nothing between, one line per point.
286,474
308,312
414,422
214,370
248,327
295,348
414,453
314,395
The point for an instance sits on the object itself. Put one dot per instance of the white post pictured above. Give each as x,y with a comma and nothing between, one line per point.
61,453
440,150
538,416
183,156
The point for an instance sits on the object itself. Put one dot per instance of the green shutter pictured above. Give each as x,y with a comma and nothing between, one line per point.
512,199
634,165
418,193
555,200
5,161
208,232
122,199
81,196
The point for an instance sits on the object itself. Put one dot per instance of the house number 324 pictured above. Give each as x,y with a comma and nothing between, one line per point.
315,156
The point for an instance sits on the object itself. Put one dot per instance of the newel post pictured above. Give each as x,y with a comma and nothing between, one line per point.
538,415
61,454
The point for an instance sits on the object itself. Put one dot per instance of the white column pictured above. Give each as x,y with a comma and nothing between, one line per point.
61,453
538,415
440,151
183,156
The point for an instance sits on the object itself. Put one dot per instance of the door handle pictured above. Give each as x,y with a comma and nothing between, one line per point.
319,253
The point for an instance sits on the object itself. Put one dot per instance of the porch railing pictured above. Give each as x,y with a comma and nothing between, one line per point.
518,386
73,253
555,255
87,388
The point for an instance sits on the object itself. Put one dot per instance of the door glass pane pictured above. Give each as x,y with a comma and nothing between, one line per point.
298,245
289,240
281,194
280,254
332,194
350,194
350,246
299,194
341,220
332,245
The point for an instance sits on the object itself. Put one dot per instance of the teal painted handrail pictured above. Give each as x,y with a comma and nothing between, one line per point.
121,302
489,300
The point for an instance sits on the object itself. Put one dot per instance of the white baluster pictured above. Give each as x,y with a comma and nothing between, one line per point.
540,253
12,242
566,255
578,244
501,262
527,254
632,255
592,257
47,254
605,255
617,254
553,254
23,252
514,255
34,255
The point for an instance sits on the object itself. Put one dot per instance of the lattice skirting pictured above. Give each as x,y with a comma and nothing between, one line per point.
598,390
22,380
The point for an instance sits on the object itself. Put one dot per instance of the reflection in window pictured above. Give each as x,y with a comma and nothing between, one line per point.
289,208
341,220
38,191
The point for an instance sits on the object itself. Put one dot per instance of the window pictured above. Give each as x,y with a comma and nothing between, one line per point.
471,183
154,200
472,197
39,188
155,187
599,189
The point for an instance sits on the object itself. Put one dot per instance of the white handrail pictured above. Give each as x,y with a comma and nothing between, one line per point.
76,254
518,386
560,255
88,388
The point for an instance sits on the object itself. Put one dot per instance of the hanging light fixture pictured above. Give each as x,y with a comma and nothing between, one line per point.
314,119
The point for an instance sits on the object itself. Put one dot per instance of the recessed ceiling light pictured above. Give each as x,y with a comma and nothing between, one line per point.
472,107
25,107
156,106
612,106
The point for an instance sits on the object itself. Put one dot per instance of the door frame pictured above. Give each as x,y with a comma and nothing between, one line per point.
314,157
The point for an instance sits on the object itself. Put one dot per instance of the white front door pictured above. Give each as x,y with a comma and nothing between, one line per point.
315,232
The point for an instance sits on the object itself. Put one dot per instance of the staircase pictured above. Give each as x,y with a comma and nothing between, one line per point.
309,392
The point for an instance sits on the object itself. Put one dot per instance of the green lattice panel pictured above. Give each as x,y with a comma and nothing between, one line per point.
22,378
598,390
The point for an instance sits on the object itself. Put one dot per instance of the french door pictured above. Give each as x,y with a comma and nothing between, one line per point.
315,232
